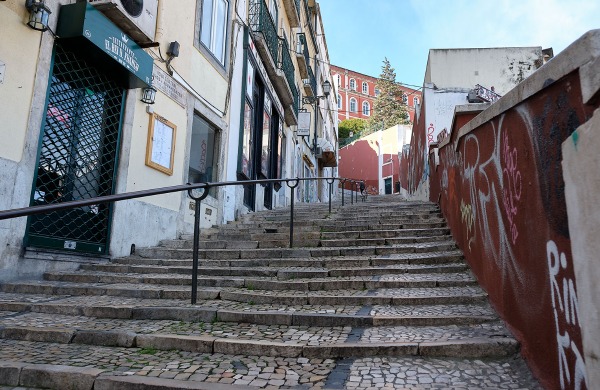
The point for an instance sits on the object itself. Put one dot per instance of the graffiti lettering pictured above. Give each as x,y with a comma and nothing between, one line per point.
430,131
566,311
466,212
512,186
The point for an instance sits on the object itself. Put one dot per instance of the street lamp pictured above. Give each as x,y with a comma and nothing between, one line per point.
314,101
39,13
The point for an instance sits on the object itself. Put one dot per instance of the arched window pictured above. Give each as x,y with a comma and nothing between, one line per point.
415,101
366,109
352,105
339,99
353,84
404,98
377,92
365,88
339,80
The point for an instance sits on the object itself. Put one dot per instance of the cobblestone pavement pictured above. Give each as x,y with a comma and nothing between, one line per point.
281,373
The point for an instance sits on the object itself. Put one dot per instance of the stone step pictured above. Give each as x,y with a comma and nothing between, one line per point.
296,271
475,340
119,368
158,286
308,278
270,253
409,233
111,307
442,257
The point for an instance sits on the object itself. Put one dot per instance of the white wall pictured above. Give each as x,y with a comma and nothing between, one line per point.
502,68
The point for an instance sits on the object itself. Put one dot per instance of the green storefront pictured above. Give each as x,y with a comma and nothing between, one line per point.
93,65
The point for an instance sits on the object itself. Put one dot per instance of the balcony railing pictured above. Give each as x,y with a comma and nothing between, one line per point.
310,84
261,22
292,9
302,55
286,64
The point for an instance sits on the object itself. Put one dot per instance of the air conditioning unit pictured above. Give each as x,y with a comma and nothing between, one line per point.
137,18
319,153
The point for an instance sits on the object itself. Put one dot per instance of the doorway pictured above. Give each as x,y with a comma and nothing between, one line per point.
77,155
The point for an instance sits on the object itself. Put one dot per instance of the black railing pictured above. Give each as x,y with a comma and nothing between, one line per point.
197,191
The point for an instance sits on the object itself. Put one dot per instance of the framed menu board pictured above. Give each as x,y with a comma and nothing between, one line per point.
160,148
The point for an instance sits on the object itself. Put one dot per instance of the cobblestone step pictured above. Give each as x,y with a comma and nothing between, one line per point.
372,287
231,254
481,340
442,257
208,310
103,368
299,270
308,280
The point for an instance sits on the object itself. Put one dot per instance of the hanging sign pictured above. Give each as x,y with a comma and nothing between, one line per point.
303,124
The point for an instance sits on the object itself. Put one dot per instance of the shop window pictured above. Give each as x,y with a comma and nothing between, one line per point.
203,152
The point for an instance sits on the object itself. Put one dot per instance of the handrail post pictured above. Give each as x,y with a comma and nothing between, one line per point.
352,191
343,189
330,182
198,204
293,190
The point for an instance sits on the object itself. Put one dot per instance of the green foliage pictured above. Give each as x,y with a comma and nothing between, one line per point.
347,126
388,108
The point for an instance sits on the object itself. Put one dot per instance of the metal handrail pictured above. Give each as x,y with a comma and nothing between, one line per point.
190,188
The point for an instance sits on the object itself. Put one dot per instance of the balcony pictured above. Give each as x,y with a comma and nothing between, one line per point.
275,54
292,9
302,56
310,83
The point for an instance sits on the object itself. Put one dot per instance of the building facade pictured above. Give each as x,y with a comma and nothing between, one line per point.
375,159
230,79
356,93
458,77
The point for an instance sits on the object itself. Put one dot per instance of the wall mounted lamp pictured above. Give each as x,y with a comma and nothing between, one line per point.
39,14
148,95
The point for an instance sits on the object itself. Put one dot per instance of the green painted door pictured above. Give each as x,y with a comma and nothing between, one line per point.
77,155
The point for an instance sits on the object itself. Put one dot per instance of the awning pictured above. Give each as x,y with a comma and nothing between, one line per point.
89,32
328,157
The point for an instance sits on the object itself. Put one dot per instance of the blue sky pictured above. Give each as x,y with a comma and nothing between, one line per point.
360,33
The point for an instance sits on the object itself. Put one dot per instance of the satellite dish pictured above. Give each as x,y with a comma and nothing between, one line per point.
133,7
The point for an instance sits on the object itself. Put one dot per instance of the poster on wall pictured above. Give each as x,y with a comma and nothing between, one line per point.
246,140
249,79
160,146
266,136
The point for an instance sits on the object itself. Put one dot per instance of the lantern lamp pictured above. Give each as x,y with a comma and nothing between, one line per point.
149,95
39,14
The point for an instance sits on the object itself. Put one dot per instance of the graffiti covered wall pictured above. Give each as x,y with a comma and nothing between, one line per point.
502,192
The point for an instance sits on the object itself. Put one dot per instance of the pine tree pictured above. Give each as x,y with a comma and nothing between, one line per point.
388,108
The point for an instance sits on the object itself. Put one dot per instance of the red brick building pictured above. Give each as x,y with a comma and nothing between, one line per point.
357,93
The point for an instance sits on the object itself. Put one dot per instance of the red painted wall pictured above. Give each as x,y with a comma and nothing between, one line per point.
359,161
502,193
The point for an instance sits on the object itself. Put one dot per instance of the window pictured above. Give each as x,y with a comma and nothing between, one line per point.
339,80
339,99
415,101
353,84
404,98
274,12
203,164
366,109
377,92
352,105
365,88
213,28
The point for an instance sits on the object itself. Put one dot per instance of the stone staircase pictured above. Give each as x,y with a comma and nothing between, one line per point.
374,295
